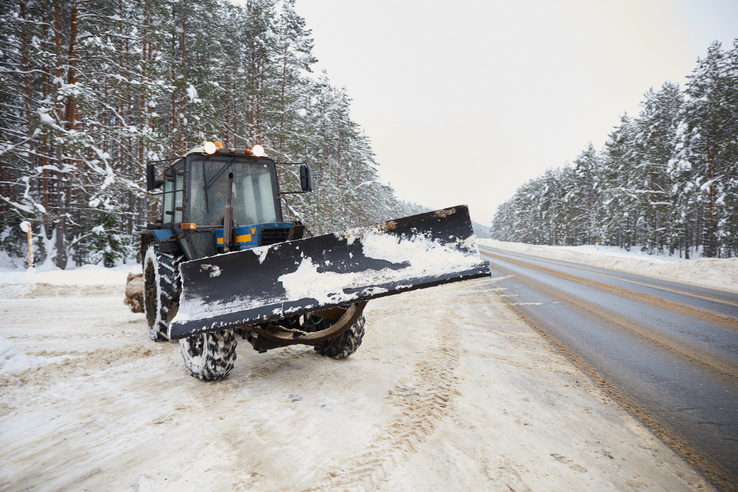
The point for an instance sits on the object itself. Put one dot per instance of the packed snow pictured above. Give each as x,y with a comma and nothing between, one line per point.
450,390
11,360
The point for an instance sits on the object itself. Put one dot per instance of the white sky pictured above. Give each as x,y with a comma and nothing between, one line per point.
464,101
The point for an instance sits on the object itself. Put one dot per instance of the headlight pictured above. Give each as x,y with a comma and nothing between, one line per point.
209,148
258,151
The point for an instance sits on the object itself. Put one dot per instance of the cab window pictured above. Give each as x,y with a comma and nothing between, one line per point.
173,194
252,195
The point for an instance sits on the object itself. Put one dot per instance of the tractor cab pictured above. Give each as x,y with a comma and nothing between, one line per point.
210,187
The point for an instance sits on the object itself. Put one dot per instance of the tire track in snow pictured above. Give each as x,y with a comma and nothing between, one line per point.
74,365
249,369
423,403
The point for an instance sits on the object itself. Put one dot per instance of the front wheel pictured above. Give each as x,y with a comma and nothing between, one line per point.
209,356
162,288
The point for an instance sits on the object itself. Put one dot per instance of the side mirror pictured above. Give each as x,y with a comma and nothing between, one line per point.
306,178
151,182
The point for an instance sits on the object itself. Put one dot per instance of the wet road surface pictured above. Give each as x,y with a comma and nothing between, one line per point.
667,352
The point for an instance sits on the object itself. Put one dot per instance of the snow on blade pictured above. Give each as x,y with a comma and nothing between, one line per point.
423,254
214,270
261,252
197,308
307,282
421,257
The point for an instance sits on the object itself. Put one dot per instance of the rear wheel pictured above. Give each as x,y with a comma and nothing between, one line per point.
209,356
162,288
344,344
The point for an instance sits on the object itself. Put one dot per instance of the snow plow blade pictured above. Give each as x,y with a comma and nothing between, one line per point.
287,279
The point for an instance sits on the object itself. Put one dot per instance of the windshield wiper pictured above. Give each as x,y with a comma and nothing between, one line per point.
219,174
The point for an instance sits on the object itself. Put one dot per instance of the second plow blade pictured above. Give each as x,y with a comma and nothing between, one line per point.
269,283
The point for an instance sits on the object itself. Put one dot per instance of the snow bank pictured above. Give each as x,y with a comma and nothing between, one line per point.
721,274
86,275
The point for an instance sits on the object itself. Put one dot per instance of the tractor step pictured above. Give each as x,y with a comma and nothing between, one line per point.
270,283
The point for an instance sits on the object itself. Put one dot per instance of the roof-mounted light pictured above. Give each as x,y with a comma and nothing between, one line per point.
258,151
209,148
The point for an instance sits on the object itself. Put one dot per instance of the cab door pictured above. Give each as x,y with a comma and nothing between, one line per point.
173,194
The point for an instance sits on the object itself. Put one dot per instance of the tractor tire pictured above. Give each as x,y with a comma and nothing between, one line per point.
209,356
162,288
344,344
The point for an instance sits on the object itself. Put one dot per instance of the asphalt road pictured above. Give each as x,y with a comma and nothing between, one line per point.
667,352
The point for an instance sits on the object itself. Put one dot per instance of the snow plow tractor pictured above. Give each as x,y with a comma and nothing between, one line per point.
221,262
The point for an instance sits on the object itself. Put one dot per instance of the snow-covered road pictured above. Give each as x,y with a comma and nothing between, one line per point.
449,391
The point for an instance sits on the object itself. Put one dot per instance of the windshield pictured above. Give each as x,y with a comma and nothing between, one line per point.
252,198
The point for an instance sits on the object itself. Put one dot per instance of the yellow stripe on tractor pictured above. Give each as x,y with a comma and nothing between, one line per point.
244,238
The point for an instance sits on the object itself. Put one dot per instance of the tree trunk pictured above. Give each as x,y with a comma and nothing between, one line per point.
71,110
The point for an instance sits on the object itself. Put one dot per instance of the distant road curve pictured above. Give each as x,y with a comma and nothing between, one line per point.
668,352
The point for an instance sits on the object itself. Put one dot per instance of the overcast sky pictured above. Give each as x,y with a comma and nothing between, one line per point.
464,101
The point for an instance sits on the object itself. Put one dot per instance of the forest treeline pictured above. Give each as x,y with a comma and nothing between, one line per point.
90,90
666,181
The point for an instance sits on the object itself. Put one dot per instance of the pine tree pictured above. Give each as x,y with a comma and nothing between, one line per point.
655,138
705,162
